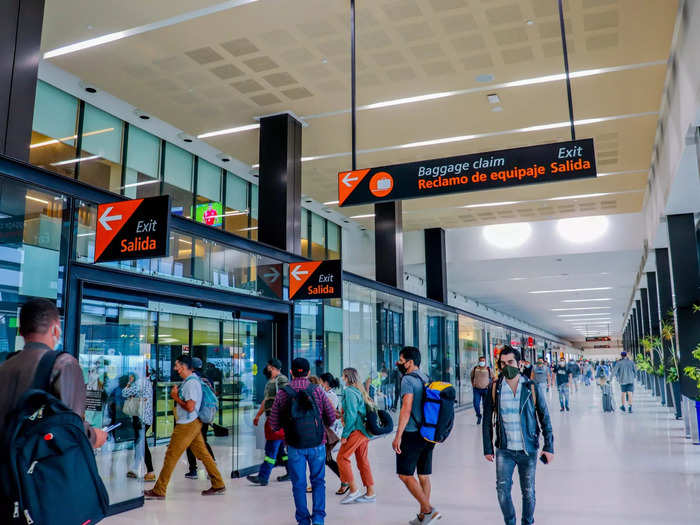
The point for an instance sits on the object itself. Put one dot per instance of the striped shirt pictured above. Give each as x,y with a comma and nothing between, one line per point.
510,415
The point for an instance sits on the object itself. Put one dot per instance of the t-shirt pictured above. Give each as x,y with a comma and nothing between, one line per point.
190,390
562,374
271,388
410,384
541,374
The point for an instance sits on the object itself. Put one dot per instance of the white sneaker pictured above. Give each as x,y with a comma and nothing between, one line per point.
431,517
351,497
366,499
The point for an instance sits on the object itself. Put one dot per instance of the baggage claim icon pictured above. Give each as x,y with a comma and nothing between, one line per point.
381,184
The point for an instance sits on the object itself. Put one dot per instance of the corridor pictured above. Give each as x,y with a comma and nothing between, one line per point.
609,469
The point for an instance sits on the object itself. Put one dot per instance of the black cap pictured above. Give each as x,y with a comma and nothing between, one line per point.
275,363
300,367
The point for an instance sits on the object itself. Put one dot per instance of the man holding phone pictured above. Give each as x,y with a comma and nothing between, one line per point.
517,414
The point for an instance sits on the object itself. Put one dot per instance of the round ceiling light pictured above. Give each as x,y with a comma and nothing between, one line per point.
582,229
508,235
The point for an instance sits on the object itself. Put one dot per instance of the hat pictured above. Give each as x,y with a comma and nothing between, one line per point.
196,363
275,363
300,367
623,354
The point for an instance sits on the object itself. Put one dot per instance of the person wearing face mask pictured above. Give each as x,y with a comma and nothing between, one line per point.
481,379
40,327
542,376
564,377
274,441
516,414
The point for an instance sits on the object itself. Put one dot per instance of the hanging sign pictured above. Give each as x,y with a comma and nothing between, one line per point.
315,280
270,277
599,339
560,161
135,229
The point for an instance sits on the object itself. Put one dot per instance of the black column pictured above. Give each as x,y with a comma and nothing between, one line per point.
686,291
663,282
388,243
640,326
279,207
655,332
435,265
20,39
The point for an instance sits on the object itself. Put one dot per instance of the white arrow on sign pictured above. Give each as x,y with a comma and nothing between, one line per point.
297,272
272,276
348,179
105,219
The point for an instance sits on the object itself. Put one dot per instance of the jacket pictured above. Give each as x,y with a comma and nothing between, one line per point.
532,419
354,412
625,371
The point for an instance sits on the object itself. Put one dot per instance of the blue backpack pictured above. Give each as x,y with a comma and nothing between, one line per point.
210,403
438,410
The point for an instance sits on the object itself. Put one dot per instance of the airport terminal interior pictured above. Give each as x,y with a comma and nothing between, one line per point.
249,181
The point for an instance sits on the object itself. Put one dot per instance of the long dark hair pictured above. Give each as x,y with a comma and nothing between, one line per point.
327,377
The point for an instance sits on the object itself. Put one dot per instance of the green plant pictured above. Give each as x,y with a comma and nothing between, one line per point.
672,375
659,370
668,334
693,372
644,363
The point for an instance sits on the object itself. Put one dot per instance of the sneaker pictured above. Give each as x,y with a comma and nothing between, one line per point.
478,420
366,499
562,409
431,517
211,491
630,409
149,494
255,480
284,478
192,475
351,497
567,409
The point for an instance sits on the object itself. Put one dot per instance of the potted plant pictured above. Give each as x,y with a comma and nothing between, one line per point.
693,372
668,334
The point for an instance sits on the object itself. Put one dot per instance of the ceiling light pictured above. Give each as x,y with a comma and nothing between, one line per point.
142,183
487,204
585,196
72,137
331,203
74,161
493,98
118,35
509,235
596,314
185,241
228,131
36,199
582,229
582,308
586,300
579,320
248,229
367,216
573,290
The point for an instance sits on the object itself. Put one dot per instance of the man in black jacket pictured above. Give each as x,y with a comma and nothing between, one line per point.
517,414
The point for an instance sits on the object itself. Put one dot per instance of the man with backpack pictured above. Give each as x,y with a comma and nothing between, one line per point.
187,433
517,414
303,410
412,451
481,379
191,459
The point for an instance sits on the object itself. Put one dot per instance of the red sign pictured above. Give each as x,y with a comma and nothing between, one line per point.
315,280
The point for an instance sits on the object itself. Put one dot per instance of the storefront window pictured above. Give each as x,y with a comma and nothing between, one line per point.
360,329
142,177
318,237
470,349
209,207
253,228
309,334
236,208
101,150
178,179
53,144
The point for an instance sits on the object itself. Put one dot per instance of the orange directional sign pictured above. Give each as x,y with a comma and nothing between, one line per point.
136,229
315,280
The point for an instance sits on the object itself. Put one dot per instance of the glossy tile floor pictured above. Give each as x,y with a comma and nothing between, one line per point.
610,469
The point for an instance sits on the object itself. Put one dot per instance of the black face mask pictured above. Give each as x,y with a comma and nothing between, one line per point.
401,367
267,373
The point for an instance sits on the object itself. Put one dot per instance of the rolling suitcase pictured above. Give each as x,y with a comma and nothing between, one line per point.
607,398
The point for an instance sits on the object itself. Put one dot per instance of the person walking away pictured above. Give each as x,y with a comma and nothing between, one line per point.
40,327
481,379
187,433
564,378
274,441
574,371
515,413
303,410
601,374
625,372
588,373
142,392
413,453
191,459
526,369
333,433
355,440
542,377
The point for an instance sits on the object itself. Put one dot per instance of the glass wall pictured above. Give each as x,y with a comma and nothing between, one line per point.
142,174
237,208
101,150
321,239
178,179
471,333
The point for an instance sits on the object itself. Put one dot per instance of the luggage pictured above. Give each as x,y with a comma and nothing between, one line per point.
607,398
48,474
303,423
210,404
378,422
438,411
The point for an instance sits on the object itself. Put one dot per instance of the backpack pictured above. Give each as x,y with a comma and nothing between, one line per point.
210,403
378,422
601,372
438,410
303,424
48,473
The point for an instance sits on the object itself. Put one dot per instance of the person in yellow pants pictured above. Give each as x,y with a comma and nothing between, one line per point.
187,433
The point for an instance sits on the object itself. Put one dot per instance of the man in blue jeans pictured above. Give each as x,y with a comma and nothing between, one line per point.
520,414
481,379
303,410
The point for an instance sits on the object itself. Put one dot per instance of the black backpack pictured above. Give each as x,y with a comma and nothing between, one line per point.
303,425
48,474
378,422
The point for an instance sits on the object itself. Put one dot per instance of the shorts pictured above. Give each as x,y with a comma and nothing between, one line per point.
416,454
628,387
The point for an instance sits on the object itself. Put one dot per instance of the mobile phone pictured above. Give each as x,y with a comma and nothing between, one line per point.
112,427
544,459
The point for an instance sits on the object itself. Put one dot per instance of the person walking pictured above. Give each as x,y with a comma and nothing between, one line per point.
142,392
564,378
303,410
333,433
519,415
542,377
481,378
625,372
413,453
355,440
574,371
275,453
187,433
191,459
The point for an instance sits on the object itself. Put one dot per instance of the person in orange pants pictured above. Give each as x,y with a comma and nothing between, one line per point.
355,440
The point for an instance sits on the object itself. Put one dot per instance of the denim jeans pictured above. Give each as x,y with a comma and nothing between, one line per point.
564,395
506,461
273,449
296,465
479,394
542,390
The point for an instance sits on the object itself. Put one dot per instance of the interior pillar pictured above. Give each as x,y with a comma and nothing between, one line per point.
388,243
435,265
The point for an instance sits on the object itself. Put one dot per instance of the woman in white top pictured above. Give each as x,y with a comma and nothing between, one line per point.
142,389
328,382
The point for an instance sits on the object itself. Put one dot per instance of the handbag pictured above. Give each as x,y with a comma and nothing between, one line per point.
132,407
331,437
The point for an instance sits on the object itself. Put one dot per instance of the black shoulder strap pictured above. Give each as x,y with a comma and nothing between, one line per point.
290,391
42,376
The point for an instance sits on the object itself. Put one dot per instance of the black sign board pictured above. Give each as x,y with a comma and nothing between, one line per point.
599,339
93,400
315,280
560,161
135,229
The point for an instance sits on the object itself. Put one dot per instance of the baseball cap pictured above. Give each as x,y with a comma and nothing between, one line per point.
196,363
300,367
623,354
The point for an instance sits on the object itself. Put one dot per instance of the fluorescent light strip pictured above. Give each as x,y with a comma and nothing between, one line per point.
367,216
248,229
73,137
573,290
585,300
228,131
331,203
582,308
185,241
484,205
119,35
584,196
596,314
36,199
143,183
578,320
75,161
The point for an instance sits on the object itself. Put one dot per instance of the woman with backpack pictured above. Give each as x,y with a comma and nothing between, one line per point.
355,439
